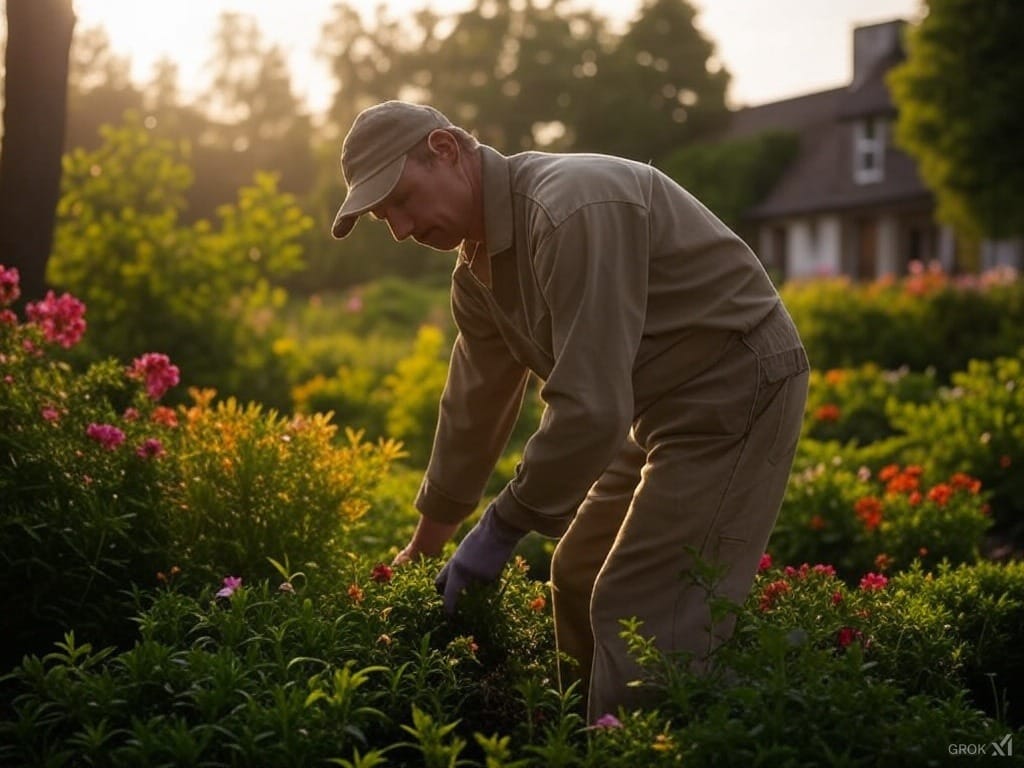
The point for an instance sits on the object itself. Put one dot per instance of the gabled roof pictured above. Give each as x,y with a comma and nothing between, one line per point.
820,179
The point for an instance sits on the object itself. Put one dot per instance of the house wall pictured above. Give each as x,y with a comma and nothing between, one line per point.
805,246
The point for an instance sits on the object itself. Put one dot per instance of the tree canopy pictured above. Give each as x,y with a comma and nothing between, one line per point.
961,108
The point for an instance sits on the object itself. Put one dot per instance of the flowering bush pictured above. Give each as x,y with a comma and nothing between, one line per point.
79,456
105,489
976,425
927,319
370,671
861,520
850,404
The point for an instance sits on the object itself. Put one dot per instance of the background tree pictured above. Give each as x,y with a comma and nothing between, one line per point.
960,102
656,88
38,43
100,87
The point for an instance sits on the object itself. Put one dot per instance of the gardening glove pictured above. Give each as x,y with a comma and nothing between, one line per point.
480,557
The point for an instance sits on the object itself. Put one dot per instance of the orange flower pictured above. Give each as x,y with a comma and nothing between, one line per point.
905,482
164,415
1004,462
827,412
962,481
816,523
835,377
914,498
869,511
538,604
940,494
356,593
888,472
883,562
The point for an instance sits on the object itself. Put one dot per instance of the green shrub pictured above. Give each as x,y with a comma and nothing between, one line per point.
924,321
976,426
858,520
850,405
243,484
205,295
296,672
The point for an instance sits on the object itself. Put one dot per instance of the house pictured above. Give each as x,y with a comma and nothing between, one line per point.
851,202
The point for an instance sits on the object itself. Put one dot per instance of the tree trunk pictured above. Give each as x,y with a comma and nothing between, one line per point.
35,108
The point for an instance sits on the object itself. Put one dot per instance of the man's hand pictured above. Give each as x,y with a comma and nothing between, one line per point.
480,557
428,541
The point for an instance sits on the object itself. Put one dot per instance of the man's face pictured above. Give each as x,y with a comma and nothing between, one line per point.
430,203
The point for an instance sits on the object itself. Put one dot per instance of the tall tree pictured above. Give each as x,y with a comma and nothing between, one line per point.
655,89
38,44
959,95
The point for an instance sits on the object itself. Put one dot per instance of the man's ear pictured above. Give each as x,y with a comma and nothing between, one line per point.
443,144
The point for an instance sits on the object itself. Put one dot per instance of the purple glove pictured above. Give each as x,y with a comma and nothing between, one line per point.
480,556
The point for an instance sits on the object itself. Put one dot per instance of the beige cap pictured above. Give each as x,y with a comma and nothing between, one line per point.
373,155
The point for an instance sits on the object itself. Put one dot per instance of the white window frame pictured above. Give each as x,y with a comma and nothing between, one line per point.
869,150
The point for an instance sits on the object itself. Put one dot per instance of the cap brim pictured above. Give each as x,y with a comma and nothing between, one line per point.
365,195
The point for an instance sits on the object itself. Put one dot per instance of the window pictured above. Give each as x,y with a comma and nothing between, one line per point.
869,150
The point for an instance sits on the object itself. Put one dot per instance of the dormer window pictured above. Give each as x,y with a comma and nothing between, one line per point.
868,150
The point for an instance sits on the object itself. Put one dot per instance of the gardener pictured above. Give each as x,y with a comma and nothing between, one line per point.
673,379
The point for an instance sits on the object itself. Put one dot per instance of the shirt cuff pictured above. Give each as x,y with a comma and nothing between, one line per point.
434,503
516,514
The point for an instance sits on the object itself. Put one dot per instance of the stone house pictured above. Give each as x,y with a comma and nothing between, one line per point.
850,202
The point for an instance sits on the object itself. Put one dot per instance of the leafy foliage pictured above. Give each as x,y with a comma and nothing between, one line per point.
203,295
959,112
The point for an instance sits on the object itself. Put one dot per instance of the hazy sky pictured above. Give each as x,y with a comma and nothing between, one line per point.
773,48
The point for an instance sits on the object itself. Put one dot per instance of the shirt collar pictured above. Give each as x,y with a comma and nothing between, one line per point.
497,190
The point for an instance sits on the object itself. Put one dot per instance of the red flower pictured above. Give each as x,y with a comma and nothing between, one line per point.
869,511
538,604
766,562
382,573
873,582
772,592
847,635
837,598
888,472
816,523
1004,462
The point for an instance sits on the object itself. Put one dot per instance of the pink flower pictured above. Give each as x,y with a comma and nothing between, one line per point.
873,581
382,573
106,435
766,562
150,448
607,720
61,319
50,413
130,414
231,585
7,317
10,289
156,371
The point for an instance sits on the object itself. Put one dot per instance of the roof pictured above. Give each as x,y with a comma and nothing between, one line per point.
820,179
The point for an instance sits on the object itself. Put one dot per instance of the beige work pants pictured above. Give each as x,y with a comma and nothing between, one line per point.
702,474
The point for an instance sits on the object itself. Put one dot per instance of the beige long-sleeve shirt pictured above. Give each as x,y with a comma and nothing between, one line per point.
613,285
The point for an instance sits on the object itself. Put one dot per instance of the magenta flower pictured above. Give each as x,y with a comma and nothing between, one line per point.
766,562
156,371
231,585
607,720
106,435
150,448
10,288
50,413
873,581
61,319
